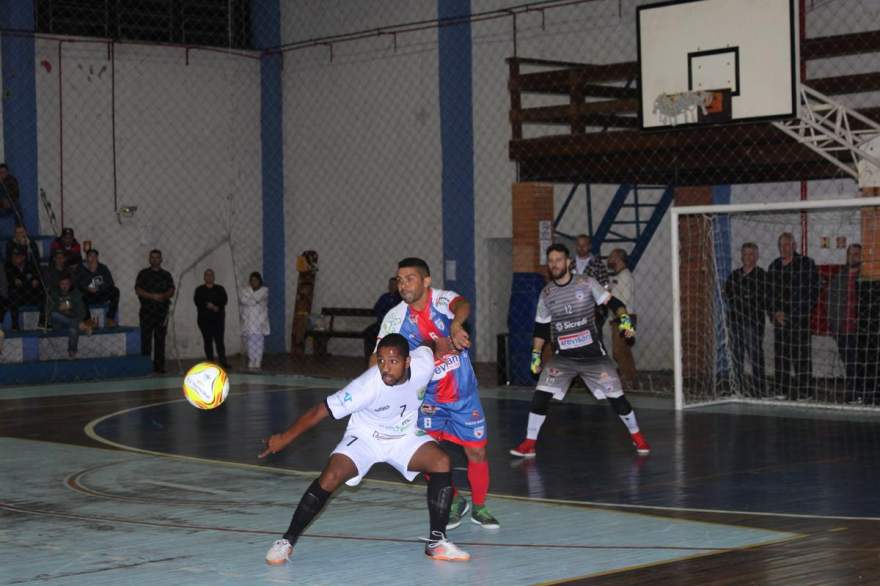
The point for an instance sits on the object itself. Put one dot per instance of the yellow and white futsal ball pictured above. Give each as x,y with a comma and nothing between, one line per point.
206,385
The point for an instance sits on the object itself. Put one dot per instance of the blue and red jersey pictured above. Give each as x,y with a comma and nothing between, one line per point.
454,379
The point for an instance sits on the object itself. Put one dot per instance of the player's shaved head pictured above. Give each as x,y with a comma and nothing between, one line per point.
413,262
392,358
413,281
395,341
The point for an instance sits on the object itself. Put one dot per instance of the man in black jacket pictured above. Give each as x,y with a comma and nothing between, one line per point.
746,293
210,300
95,281
795,285
25,288
154,287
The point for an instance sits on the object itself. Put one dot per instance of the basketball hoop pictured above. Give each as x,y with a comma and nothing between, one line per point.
693,107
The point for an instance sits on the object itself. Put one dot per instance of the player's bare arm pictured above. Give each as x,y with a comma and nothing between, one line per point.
306,421
461,309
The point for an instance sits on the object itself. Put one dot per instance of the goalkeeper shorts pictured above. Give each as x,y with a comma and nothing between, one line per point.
599,374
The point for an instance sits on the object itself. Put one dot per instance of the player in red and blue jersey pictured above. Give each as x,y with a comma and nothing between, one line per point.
451,409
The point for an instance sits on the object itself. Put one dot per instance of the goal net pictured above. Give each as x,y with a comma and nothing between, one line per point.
777,302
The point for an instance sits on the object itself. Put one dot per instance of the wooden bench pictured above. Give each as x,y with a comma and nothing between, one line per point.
322,336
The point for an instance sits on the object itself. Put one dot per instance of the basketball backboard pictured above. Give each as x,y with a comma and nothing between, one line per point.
749,47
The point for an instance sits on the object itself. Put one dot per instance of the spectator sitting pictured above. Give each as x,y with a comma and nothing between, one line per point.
21,242
95,281
386,301
57,269
70,246
66,309
10,203
25,288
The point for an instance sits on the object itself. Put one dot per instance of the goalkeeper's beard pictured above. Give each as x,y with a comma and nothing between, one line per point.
557,276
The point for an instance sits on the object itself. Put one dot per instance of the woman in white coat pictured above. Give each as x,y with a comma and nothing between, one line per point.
253,305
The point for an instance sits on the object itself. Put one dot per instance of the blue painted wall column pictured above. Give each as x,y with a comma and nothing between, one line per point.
457,142
19,96
266,31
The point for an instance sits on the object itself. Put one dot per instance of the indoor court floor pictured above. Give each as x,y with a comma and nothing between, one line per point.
122,482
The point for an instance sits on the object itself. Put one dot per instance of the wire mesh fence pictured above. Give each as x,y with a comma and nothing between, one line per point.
234,136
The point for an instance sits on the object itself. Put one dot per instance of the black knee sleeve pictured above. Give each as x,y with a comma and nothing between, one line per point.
620,405
540,402
439,501
314,498
309,506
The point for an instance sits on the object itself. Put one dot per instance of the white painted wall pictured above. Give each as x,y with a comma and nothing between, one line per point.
188,156
362,152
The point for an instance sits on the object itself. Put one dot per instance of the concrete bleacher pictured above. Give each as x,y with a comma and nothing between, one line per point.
34,356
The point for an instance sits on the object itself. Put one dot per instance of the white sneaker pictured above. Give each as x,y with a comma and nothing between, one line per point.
441,549
279,552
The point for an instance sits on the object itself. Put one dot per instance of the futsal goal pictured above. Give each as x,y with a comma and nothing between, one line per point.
804,330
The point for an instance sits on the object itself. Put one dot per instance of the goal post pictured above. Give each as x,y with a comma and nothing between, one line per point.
732,341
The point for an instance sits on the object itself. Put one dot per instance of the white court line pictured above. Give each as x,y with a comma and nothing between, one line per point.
89,430
186,487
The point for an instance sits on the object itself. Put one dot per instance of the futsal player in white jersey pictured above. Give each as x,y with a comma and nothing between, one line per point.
383,404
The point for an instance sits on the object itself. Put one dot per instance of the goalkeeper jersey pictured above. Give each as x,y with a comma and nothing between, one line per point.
570,309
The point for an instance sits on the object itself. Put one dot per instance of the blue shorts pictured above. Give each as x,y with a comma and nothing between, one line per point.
462,422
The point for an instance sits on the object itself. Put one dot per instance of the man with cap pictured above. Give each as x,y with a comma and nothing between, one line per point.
70,246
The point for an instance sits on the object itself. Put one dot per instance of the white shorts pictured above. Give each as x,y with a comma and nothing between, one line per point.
366,447
599,374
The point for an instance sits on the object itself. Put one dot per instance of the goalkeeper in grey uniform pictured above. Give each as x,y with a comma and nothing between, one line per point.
566,316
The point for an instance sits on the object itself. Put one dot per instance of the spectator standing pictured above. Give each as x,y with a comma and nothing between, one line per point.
66,309
10,200
95,281
795,288
591,265
587,263
843,318
384,304
746,293
68,243
25,288
155,288
253,305
622,286
211,300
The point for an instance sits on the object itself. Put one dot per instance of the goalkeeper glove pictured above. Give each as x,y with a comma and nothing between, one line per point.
535,364
625,324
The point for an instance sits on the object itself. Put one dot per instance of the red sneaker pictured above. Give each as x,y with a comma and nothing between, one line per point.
642,447
526,449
